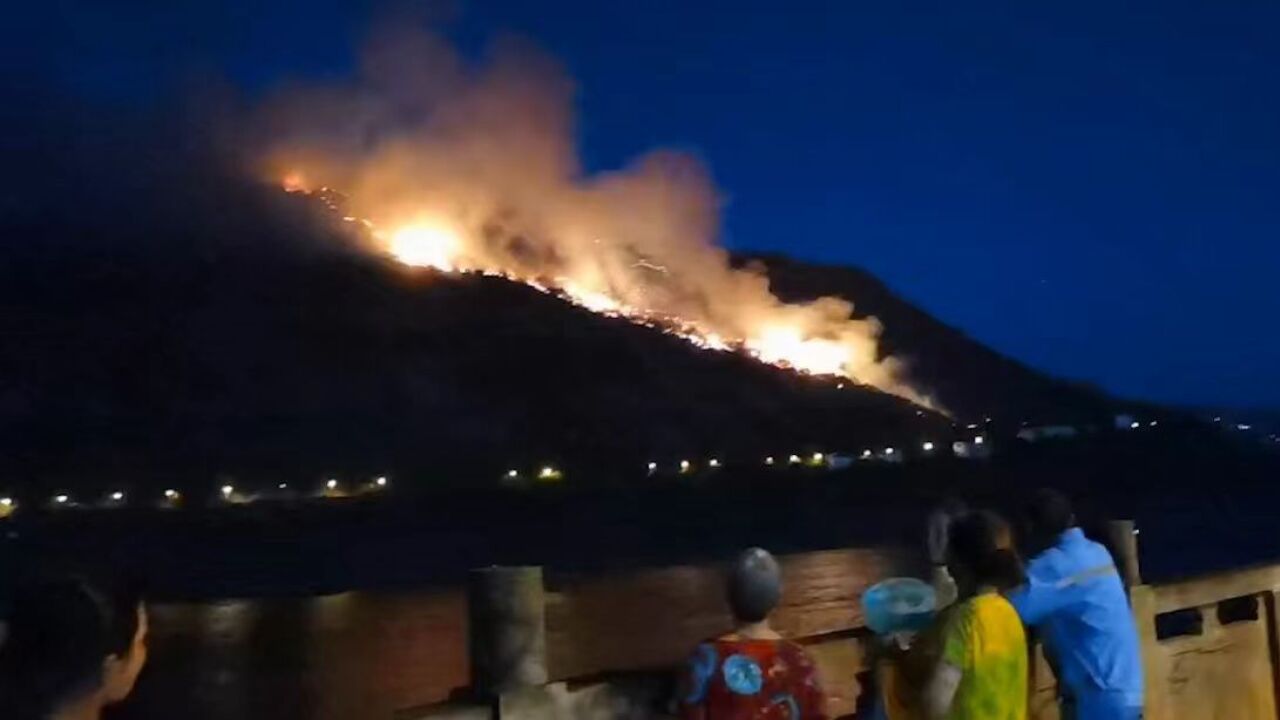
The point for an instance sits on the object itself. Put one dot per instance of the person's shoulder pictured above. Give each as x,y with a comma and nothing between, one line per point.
996,615
795,656
1096,550
993,605
704,657
1053,563
960,615
733,644
791,647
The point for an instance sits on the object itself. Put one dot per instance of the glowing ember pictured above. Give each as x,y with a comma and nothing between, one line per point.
294,182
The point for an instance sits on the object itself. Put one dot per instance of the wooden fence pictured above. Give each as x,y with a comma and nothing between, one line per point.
603,647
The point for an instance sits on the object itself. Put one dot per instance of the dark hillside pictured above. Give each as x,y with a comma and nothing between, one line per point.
969,378
226,333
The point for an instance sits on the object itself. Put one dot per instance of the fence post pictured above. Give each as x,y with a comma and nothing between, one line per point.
1142,598
507,630
1272,616
1122,535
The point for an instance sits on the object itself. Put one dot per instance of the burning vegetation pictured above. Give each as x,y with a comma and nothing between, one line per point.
473,168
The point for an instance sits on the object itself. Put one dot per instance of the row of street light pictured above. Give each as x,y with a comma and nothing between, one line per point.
332,488
171,498
971,448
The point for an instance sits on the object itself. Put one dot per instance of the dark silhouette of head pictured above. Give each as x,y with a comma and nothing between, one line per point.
1047,515
69,641
981,553
755,586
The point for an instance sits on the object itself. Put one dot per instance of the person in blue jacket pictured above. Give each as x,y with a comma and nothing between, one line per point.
1076,602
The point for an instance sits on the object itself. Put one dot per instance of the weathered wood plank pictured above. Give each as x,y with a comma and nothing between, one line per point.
1042,696
1211,589
839,660
651,619
1220,675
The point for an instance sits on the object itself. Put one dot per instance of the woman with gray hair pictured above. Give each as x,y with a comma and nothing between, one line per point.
751,672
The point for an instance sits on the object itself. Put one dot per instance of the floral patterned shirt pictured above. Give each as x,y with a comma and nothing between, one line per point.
745,679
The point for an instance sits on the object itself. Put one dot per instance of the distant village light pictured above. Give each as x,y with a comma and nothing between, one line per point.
714,463
117,496
331,484
171,494
652,466
793,459
818,457
928,446
227,490
381,481
888,451
1135,425
979,440
513,474
61,499
684,466
283,486
866,453
6,502
768,460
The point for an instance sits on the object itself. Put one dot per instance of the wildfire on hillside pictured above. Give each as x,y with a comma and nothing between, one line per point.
474,170
434,243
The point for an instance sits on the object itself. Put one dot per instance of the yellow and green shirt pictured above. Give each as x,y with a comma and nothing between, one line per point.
984,639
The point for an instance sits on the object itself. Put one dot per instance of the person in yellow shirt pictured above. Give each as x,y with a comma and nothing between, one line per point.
982,672
972,663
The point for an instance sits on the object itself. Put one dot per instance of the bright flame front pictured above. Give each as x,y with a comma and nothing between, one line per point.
425,244
779,345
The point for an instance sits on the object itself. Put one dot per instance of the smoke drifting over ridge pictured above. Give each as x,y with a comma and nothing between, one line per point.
474,168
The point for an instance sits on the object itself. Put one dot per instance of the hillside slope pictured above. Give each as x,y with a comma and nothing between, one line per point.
227,334
969,378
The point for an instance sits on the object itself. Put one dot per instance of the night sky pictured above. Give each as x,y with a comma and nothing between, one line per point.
1092,187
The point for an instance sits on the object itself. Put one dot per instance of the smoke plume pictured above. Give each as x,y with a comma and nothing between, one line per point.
473,166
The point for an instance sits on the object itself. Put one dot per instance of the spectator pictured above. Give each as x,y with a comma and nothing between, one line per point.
70,649
751,673
980,670
1076,601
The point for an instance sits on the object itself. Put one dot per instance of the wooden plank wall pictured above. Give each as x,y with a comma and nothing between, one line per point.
652,619
1226,668
1229,671
613,640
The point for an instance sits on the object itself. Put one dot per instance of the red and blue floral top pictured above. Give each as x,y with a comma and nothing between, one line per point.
744,679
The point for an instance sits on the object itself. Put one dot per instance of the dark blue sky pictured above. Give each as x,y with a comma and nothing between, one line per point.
1092,187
